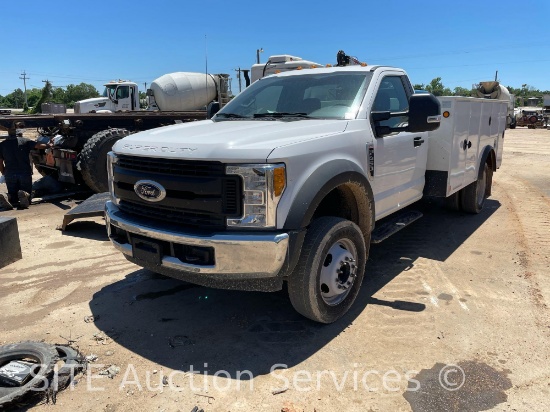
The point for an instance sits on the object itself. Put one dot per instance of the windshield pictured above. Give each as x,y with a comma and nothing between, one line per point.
334,95
109,92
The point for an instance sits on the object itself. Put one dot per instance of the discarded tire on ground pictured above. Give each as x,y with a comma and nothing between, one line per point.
93,158
72,364
44,355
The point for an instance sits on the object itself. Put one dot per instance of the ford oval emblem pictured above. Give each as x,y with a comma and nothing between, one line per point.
149,190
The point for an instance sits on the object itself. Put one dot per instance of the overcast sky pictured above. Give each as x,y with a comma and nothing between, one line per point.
461,41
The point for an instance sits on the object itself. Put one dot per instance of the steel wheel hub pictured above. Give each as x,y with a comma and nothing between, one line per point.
338,272
481,188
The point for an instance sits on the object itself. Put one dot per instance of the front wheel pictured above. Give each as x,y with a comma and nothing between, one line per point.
326,281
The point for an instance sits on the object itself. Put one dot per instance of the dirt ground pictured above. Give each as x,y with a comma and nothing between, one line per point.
453,315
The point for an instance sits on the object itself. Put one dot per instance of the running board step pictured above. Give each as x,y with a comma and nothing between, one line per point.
387,228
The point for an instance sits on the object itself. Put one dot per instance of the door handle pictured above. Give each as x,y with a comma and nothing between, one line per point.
418,141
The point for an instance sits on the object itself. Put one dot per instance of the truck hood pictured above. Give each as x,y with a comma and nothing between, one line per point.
96,103
230,140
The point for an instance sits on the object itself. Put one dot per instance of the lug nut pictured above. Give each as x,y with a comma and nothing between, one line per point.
341,263
339,286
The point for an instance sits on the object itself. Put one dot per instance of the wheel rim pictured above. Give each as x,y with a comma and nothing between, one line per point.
481,188
338,272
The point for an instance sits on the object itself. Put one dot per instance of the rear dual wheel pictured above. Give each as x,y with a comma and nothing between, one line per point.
330,271
472,198
474,195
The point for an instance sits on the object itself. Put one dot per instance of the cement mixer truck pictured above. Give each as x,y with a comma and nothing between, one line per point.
81,140
494,90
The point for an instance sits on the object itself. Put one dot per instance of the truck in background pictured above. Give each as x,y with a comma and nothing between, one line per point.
546,109
294,178
180,91
81,140
494,90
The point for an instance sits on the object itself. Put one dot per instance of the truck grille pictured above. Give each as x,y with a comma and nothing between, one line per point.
199,194
171,166
173,215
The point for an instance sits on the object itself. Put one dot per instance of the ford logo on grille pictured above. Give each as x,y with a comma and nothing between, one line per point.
149,190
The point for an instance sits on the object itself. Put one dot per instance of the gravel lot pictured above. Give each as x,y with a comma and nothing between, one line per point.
453,316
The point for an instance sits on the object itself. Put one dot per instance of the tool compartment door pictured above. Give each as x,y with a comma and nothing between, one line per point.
472,146
461,134
500,113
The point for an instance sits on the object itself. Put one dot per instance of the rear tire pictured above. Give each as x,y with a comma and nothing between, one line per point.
453,202
327,279
93,158
474,195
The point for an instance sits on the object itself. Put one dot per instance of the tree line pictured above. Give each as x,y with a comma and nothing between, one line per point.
68,95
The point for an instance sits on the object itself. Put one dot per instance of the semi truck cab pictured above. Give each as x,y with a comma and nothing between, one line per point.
118,95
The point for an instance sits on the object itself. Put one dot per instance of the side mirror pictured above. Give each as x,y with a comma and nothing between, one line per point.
424,113
212,109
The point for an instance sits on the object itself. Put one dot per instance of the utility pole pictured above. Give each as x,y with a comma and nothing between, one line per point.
25,78
145,84
258,51
496,75
239,74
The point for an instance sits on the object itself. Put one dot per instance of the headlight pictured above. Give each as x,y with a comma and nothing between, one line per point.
112,160
263,186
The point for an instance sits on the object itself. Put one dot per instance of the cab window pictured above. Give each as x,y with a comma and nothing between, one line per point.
392,97
123,92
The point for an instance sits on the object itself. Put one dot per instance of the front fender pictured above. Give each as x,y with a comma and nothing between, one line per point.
319,184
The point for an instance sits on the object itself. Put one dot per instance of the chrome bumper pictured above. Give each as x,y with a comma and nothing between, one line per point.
246,253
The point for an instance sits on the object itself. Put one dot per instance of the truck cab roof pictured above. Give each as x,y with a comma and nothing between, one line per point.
332,69
119,82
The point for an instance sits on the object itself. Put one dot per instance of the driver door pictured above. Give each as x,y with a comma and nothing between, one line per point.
124,101
400,157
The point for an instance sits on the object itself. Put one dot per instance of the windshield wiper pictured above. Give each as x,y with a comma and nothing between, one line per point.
232,116
283,114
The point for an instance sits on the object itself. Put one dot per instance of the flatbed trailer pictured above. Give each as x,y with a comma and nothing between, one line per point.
80,141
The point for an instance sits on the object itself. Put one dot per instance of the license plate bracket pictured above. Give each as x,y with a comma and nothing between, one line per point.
147,250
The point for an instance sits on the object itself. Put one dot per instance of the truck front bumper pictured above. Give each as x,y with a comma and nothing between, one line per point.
232,255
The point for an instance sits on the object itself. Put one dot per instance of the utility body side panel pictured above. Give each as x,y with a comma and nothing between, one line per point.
456,148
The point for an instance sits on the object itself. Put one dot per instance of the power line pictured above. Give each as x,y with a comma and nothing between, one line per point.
25,78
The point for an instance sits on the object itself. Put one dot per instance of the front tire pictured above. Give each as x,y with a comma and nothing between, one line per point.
327,279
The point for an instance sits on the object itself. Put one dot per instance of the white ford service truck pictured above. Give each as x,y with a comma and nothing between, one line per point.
294,178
